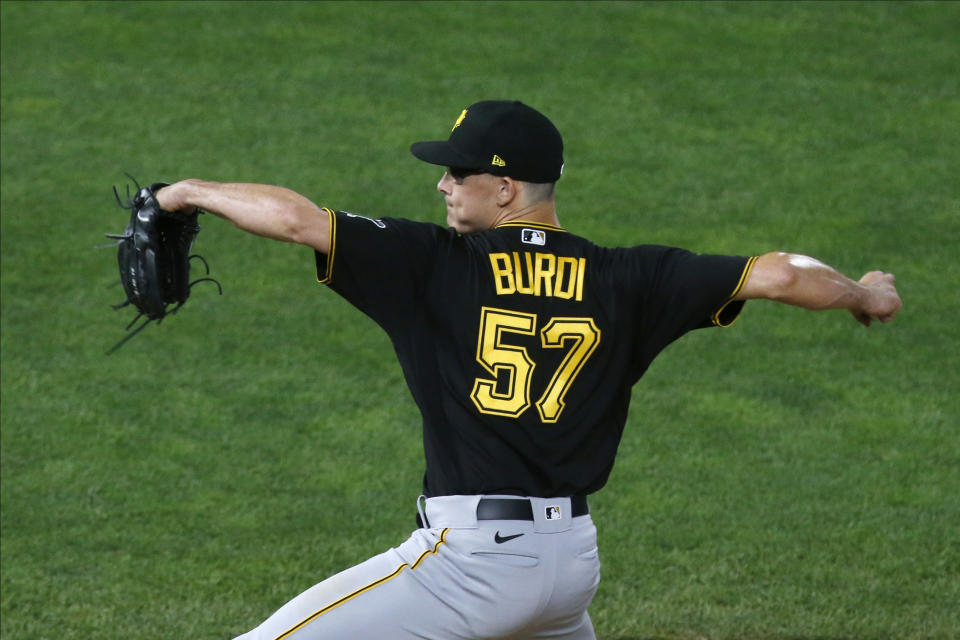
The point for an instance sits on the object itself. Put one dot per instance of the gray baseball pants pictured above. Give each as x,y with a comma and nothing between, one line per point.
459,578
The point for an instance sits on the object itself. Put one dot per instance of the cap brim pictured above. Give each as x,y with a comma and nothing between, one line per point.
442,153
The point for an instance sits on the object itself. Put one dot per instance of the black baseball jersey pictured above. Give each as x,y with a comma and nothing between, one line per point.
521,344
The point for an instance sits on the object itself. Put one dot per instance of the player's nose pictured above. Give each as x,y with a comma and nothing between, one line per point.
444,185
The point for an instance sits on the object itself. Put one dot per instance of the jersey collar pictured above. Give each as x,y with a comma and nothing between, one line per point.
535,225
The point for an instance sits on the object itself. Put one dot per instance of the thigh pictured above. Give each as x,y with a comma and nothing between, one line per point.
380,598
581,628
578,575
450,584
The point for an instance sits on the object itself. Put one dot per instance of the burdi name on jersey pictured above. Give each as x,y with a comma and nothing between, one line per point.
538,274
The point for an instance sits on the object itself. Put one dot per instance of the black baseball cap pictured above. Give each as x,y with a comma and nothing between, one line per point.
502,137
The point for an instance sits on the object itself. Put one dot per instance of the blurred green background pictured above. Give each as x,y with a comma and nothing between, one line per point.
794,476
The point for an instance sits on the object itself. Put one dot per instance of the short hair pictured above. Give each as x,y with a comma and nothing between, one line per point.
535,192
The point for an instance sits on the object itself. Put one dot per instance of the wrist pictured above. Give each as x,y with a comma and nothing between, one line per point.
178,196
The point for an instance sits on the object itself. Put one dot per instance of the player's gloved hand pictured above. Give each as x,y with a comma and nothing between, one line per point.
154,256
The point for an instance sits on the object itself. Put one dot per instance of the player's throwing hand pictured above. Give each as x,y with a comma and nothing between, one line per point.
882,301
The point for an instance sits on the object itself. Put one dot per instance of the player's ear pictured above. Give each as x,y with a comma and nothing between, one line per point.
507,191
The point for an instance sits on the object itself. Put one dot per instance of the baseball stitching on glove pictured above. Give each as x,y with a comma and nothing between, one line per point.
154,257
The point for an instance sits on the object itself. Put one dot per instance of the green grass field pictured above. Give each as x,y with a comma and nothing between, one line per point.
794,477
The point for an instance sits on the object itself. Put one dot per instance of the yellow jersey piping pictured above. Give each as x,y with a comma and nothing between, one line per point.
535,225
333,244
362,590
743,280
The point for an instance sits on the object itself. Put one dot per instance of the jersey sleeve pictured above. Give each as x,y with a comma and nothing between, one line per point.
379,265
692,291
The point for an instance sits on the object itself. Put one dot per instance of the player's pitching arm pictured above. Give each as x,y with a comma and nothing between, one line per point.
806,282
261,209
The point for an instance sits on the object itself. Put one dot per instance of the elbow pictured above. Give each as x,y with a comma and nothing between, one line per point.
291,223
288,219
785,279
779,276
306,226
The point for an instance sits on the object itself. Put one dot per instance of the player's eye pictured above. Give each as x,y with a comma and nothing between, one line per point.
459,174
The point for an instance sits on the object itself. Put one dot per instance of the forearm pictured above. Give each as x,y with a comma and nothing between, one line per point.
808,283
264,210
816,286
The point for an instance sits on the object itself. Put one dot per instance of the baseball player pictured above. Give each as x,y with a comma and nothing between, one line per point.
520,343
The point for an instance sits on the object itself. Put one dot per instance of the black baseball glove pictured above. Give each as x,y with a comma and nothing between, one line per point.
154,257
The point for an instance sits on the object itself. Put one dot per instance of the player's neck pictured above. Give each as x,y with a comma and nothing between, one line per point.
542,212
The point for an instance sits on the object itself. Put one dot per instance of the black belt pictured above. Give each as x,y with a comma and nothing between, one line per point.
512,509
519,509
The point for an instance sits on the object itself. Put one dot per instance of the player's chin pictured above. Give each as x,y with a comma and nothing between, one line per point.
456,223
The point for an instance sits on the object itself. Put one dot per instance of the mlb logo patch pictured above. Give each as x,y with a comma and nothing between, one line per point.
534,236
552,512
